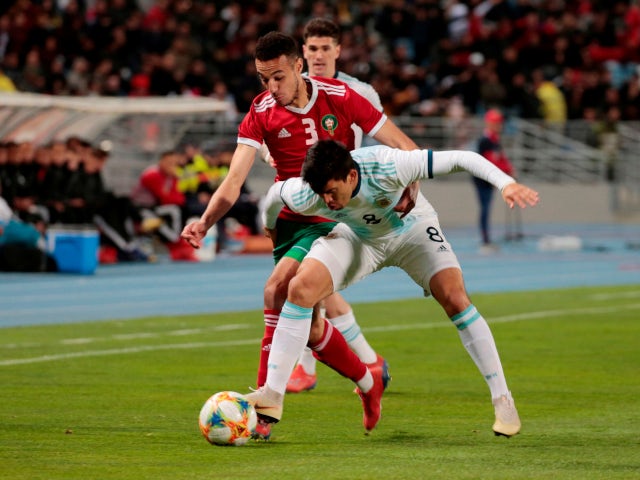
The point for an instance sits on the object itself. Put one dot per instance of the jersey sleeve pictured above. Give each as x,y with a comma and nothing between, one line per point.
250,130
364,113
293,193
442,163
426,164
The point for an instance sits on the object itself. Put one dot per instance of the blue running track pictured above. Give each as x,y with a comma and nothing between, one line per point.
610,255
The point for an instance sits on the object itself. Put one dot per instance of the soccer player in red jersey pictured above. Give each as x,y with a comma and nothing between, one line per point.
289,117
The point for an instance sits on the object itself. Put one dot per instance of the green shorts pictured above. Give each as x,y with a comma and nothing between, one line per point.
294,239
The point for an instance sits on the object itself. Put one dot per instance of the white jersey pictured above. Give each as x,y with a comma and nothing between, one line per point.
363,88
384,173
366,91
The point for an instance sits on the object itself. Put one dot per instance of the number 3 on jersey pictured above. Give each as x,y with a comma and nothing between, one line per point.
310,130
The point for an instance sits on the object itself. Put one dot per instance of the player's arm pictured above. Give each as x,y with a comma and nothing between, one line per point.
273,203
224,197
441,163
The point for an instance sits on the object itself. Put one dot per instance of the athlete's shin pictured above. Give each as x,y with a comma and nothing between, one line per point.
333,351
477,339
289,340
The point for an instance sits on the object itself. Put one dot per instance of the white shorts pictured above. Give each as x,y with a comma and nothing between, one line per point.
421,251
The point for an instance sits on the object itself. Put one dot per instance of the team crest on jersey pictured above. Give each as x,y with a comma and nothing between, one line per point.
329,123
382,201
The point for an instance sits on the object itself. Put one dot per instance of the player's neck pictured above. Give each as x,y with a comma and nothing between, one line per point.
304,94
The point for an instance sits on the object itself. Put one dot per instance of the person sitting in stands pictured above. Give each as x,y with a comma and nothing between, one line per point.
158,197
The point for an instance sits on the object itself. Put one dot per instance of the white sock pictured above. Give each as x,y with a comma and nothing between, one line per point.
365,383
289,339
477,339
308,361
352,333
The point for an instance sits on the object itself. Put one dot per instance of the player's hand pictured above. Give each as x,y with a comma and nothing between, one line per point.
516,193
408,199
271,233
194,232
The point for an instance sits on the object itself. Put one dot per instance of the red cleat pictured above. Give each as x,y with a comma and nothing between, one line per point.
301,381
381,365
262,430
372,401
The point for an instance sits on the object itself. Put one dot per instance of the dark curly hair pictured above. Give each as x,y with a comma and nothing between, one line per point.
326,160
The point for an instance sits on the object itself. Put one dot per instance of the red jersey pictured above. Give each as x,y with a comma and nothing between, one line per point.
288,131
157,188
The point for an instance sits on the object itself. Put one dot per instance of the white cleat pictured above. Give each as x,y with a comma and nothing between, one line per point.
507,420
268,404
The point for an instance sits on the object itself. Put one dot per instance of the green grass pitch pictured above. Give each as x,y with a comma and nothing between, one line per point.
120,399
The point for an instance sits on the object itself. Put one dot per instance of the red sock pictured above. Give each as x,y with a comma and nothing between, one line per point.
332,350
270,322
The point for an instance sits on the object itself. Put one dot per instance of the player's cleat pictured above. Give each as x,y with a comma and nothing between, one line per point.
301,381
507,420
372,401
262,430
382,365
268,404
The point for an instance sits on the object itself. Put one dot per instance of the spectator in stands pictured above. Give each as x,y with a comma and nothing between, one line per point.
22,244
117,220
489,147
85,191
21,171
158,197
202,175
6,84
552,101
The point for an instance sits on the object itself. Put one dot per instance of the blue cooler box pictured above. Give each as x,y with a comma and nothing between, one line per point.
75,249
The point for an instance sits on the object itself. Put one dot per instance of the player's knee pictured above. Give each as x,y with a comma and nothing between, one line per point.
303,291
454,302
275,291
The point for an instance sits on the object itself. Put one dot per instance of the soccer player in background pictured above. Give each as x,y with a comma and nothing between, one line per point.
289,117
359,189
321,50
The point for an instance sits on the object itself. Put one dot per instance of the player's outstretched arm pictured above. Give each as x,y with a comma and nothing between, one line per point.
517,193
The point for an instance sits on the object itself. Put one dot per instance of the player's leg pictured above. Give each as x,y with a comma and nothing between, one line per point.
340,314
484,191
447,287
294,240
312,282
348,260
426,255
275,294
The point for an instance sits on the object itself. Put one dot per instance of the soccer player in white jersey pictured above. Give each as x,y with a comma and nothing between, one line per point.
321,50
359,190
293,113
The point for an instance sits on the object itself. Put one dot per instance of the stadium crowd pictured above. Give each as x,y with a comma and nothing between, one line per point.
551,59
60,183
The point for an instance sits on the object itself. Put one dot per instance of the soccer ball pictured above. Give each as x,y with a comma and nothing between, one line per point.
227,418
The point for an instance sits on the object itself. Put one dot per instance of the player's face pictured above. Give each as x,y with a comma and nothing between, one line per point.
321,54
337,193
281,78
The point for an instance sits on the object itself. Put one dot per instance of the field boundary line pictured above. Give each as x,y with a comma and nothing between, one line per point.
235,343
